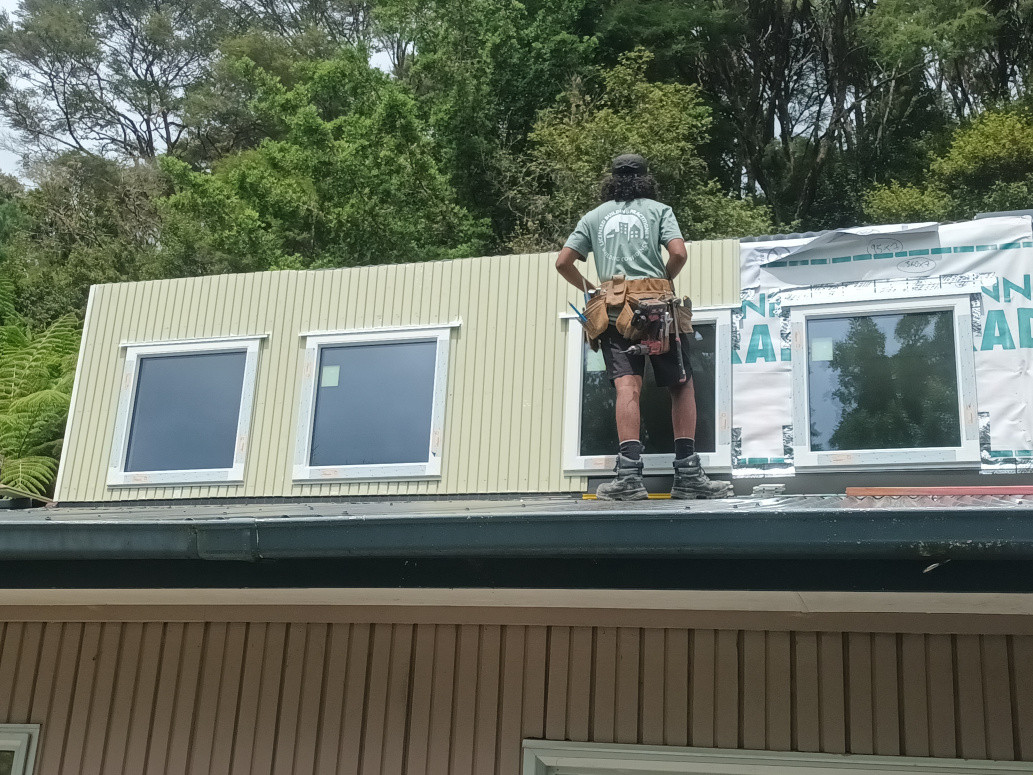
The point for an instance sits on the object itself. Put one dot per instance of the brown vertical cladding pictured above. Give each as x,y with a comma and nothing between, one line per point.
237,697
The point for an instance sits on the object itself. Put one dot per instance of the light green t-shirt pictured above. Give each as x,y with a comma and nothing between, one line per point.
625,238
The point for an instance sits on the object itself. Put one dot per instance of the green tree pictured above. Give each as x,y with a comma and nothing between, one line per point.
105,76
987,167
85,220
352,181
572,144
481,71
37,368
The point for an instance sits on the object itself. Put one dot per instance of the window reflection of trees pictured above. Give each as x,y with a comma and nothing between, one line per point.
598,404
890,395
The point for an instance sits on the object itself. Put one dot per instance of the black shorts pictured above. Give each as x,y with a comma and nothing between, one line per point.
666,368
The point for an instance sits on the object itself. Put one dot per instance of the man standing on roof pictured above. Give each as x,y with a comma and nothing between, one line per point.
625,234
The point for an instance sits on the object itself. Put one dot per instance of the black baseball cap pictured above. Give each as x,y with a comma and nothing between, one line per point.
629,164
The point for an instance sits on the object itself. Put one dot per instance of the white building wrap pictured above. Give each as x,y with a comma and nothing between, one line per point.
978,271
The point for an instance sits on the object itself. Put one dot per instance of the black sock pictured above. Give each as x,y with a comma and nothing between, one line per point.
684,448
632,449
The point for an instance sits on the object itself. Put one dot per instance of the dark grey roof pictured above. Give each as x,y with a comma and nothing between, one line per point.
787,526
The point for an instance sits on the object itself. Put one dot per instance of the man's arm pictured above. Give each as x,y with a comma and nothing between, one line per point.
677,256
566,266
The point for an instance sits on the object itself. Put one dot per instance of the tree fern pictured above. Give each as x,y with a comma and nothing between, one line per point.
36,373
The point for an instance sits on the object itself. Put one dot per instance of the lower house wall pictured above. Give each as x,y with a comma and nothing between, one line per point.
239,697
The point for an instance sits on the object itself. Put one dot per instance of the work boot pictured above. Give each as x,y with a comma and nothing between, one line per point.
627,485
691,482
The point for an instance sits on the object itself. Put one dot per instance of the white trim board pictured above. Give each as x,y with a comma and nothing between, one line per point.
542,757
966,454
118,476
718,461
305,472
23,740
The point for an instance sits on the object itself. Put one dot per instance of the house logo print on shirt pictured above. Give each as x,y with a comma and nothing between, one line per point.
624,234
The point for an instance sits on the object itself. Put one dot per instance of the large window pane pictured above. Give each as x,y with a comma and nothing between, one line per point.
374,404
6,762
599,398
185,412
883,382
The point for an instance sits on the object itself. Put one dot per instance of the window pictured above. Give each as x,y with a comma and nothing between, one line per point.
18,748
590,432
884,384
373,404
184,412
542,757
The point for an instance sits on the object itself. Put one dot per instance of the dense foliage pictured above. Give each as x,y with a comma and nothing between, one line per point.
175,137
36,372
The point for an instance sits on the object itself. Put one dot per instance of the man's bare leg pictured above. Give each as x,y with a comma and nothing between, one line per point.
683,410
629,418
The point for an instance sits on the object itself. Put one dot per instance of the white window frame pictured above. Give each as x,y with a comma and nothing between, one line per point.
718,461
118,476
543,757
22,739
964,456
314,343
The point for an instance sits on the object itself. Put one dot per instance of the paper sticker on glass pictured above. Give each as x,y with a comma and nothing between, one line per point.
883,381
378,407
598,401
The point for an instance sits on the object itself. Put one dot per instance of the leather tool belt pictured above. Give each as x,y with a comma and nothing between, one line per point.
623,296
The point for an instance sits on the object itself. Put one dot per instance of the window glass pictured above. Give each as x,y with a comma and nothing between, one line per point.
883,382
6,762
374,404
185,412
598,401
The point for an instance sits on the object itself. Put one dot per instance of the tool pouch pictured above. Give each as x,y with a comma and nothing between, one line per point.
597,317
616,290
684,313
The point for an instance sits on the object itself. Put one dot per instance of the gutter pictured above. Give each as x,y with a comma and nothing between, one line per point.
976,534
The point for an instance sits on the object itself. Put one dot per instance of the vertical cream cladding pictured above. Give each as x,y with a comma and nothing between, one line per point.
503,412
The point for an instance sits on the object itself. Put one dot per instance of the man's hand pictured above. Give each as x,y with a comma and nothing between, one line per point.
565,265
677,256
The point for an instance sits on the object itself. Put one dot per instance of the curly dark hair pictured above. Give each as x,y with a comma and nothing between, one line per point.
624,188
